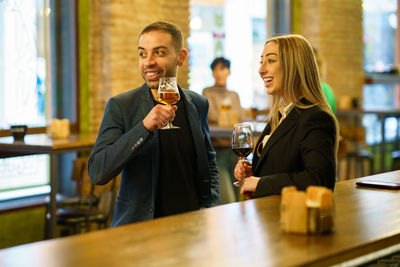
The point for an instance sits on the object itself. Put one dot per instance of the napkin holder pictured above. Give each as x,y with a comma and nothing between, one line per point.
309,212
59,128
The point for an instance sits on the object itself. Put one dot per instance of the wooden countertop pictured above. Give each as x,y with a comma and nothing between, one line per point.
43,144
238,234
43,141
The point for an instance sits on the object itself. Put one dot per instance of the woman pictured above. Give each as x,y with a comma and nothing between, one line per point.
298,146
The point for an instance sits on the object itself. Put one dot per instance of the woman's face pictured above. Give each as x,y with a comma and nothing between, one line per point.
270,69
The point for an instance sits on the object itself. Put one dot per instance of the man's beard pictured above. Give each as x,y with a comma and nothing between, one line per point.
152,84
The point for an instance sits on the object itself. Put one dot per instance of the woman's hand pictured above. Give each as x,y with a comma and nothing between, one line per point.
242,170
249,186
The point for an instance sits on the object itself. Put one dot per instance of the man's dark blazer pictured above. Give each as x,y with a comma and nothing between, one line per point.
124,145
300,152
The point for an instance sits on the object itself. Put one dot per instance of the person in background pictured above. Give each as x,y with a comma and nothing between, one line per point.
164,172
330,96
219,96
223,103
299,144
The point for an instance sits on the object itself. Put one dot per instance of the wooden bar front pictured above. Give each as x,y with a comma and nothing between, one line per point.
238,234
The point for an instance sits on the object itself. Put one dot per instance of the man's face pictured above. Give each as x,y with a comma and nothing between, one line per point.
220,74
158,58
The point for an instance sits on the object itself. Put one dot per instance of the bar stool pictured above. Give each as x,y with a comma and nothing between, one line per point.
75,219
359,157
396,151
93,204
396,160
355,157
96,206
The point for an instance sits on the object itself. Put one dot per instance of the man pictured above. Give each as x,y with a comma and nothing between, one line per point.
164,172
218,95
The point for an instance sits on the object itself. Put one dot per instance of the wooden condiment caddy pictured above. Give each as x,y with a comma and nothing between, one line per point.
309,212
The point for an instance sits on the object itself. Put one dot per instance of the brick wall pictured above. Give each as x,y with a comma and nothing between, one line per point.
114,30
334,27
99,64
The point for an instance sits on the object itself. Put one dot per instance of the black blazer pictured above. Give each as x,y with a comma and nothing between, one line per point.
300,152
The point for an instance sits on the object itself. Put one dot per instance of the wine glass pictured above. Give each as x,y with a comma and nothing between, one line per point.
168,94
242,143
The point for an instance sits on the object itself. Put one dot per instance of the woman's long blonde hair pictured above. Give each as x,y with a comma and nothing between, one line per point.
300,78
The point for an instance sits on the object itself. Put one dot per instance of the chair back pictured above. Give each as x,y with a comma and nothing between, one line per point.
102,197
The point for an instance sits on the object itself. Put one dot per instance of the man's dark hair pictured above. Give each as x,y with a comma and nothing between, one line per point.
225,62
168,27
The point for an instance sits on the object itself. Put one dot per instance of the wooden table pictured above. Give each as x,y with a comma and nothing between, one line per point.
43,144
383,114
238,234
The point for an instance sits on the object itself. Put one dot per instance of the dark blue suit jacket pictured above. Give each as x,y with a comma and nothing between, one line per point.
124,145
300,152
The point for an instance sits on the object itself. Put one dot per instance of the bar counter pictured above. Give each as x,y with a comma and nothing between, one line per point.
238,234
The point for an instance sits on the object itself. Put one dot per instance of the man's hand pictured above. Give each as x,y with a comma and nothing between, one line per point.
159,116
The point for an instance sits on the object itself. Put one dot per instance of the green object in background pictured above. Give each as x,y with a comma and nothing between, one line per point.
84,65
22,226
296,16
330,96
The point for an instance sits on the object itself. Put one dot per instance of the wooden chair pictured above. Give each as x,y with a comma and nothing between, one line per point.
396,160
92,205
352,154
98,211
396,150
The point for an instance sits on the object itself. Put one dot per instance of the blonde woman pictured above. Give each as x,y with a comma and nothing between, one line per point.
299,144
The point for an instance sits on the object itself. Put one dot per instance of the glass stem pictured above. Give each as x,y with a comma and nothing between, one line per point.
240,183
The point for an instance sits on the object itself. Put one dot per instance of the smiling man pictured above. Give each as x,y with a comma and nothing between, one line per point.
164,172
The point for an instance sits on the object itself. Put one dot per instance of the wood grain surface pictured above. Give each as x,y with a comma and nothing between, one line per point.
238,234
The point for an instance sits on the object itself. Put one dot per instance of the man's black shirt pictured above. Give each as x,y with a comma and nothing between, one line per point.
176,187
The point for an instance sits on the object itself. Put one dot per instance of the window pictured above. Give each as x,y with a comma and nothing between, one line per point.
23,89
379,23
237,31
23,63
23,176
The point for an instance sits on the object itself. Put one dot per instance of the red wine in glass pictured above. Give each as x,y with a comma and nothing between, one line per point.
242,143
242,152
